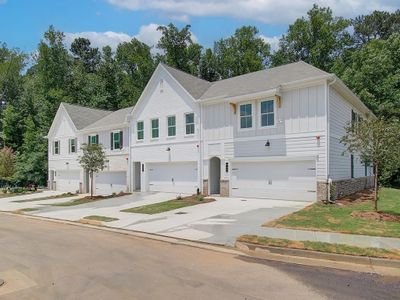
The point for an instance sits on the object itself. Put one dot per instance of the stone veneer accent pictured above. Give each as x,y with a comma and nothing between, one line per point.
345,187
351,186
205,187
224,188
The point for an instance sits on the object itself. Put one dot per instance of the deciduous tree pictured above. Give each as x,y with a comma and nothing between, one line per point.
92,161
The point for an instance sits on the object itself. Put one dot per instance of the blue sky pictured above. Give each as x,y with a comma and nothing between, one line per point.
23,22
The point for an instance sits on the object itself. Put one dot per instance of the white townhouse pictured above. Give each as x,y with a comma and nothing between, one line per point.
272,134
75,125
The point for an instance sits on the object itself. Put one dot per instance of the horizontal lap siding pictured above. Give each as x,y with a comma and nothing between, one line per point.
339,158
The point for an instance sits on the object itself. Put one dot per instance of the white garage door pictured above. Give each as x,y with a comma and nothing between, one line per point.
67,180
173,177
110,182
291,180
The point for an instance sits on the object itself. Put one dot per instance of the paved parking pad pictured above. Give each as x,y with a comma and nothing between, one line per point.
219,222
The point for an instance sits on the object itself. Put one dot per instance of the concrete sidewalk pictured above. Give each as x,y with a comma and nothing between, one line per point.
331,237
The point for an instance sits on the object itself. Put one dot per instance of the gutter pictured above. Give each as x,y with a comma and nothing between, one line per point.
327,147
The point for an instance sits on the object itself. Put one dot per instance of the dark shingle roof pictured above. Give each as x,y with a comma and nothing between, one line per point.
262,80
114,118
193,85
83,116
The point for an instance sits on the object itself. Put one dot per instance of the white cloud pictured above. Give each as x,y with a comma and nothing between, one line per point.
266,11
273,41
147,34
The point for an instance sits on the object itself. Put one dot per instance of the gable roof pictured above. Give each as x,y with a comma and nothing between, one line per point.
193,85
112,119
262,80
83,116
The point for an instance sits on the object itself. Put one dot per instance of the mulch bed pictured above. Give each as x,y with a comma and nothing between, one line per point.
359,197
366,196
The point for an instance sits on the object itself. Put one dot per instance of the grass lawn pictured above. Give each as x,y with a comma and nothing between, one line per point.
87,199
66,195
338,218
101,218
156,208
2,195
320,246
28,209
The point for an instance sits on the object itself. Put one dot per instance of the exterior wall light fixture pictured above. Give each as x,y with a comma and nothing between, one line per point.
168,149
267,144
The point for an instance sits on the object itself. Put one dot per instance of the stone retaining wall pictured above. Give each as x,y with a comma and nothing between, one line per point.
342,188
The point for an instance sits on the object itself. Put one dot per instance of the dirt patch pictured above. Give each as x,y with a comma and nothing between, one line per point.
359,197
376,216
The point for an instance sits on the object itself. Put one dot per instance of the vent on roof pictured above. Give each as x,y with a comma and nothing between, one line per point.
161,85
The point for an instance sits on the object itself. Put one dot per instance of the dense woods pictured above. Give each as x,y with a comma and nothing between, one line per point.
364,52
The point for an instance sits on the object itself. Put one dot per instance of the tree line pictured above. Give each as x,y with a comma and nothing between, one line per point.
363,52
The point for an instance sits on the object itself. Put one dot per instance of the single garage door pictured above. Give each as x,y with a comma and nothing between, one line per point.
110,182
67,180
290,180
173,177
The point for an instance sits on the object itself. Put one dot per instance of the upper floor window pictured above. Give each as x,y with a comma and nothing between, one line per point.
246,116
189,121
56,147
171,122
116,140
154,128
267,113
140,130
72,147
93,139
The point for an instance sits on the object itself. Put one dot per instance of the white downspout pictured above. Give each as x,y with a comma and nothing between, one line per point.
201,149
328,179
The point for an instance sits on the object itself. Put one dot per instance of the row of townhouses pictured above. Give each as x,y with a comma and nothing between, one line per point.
272,134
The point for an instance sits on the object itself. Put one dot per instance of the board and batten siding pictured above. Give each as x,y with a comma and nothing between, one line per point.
299,120
339,159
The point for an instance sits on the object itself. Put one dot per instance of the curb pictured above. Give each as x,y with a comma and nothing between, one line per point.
240,249
343,258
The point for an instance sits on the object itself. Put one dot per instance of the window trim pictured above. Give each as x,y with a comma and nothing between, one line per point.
194,124
252,116
58,148
168,126
121,146
97,138
260,114
137,131
158,128
70,145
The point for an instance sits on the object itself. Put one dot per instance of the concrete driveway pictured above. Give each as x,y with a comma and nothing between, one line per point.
217,222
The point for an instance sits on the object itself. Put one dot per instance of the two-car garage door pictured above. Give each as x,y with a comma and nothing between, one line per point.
283,180
173,177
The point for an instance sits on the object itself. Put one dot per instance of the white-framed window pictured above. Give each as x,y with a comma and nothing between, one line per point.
171,123
140,130
155,128
56,147
189,123
267,111
72,145
93,139
117,140
246,115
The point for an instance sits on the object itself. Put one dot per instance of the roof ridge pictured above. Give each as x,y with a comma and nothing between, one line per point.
82,106
187,73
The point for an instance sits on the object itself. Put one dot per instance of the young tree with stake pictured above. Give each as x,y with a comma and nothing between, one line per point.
377,142
92,160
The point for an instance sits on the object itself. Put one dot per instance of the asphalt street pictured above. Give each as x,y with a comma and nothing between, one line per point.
46,260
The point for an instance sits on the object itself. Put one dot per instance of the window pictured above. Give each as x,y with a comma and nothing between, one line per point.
246,116
140,130
93,139
171,122
56,147
154,129
267,113
72,145
117,140
352,165
189,121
